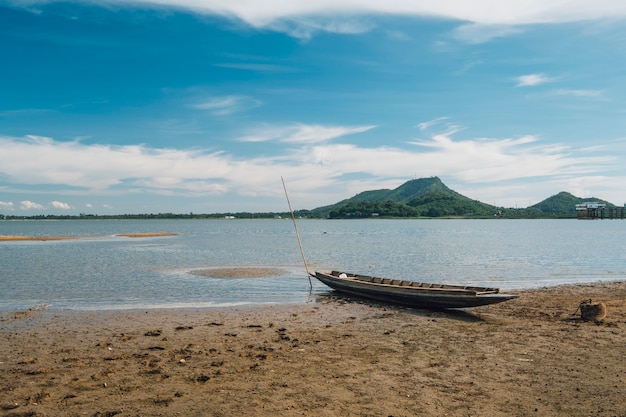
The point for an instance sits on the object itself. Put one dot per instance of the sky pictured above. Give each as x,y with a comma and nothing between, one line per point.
201,106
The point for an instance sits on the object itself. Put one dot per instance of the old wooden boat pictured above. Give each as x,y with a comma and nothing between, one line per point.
415,294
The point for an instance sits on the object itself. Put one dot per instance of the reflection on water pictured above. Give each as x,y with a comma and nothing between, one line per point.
101,270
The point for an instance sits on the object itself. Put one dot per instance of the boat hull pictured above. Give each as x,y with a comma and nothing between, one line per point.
432,296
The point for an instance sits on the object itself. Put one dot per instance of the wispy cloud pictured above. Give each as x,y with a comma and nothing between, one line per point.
484,11
227,105
324,172
24,112
494,160
531,80
258,67
477,33
467,67
305,27
596,94
6,205
38,160
303,18
431,123
302,133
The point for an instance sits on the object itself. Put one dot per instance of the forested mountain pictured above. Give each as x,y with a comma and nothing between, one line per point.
430,197
427,197
564,203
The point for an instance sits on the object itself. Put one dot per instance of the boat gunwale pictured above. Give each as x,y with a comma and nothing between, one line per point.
420,287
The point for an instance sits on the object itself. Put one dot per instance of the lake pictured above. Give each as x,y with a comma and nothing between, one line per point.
100,270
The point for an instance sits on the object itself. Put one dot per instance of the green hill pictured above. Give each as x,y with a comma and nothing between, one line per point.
421,197
429,197
563,203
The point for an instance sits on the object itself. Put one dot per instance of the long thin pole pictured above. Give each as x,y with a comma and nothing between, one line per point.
295,226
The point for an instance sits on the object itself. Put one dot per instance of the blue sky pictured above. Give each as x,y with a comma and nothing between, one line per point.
110,107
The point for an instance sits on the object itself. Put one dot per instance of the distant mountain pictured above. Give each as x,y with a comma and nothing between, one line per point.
421,197
563,203
403,194
430,197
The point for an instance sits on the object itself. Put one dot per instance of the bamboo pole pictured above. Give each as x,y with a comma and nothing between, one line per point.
295,226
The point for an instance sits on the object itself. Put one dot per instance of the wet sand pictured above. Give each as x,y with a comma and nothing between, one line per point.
330,357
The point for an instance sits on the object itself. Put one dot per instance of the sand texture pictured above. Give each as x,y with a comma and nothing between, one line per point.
330,357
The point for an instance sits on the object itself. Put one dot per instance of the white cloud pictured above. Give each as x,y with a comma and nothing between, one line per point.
319,172
40,140
29,205
257,67
7,205
260,13
301,18
226,105
39,160
476,33
496,160
431,123
60,205
531,80
305,27
597,94
302,133
527,193
468,67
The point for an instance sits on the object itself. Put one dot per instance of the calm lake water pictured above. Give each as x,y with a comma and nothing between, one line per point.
100,270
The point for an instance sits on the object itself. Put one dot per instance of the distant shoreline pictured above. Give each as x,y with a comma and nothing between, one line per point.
270,216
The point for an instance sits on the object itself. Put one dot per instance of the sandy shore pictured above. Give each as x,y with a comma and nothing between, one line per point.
330,357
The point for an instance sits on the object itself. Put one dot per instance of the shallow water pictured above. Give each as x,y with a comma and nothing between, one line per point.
100,270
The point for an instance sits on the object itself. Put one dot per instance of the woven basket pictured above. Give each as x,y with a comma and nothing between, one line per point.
592,311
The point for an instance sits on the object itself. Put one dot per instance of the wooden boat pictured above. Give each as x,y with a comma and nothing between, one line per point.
415,294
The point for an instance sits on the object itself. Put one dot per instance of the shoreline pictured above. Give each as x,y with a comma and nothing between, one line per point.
227,272
527,356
